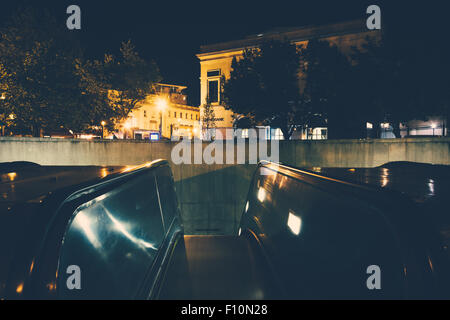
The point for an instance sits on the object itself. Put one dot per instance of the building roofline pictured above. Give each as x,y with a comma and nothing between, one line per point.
293,34
171,85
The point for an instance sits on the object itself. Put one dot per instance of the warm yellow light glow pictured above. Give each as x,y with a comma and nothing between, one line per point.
433,126
127,125
51,286
19,288
352,170
294,223
261,194
161,103
12,176
87,136
103,123
103,172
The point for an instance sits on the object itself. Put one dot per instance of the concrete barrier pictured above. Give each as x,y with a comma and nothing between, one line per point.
212,197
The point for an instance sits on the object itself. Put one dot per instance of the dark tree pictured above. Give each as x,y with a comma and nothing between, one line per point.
38,81
116,85
329,91
264,85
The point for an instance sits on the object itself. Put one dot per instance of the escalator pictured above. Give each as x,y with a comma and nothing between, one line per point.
302,235
218,268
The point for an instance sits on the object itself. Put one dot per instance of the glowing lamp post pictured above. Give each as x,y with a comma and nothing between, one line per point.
433,126
103,123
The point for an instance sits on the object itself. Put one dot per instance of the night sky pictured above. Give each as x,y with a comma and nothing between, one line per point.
171,32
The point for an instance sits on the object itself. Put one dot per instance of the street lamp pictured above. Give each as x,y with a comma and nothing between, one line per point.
433,126
103,123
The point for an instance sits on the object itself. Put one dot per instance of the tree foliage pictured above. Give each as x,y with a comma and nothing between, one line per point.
208,119
116,85
37,78
47,84
264,86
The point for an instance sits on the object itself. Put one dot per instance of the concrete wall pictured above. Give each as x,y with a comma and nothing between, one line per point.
212,197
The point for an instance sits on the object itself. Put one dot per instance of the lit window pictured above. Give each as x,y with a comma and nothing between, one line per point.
244,133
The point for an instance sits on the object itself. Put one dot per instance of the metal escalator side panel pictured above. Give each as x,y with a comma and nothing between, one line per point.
114,233
321,235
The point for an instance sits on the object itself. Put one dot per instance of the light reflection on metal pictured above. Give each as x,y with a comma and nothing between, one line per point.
384,177
294,223
261,194
121,227
103,172
246,206
51,286
12,176
84,223
19,288
430,263
431,187
239,232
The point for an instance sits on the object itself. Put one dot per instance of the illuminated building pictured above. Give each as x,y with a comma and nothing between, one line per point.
164,112
216,59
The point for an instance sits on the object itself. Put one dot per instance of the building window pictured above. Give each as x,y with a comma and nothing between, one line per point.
186,115
196,117
213,90
145,114
175,114
191,116
181,115
213,73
